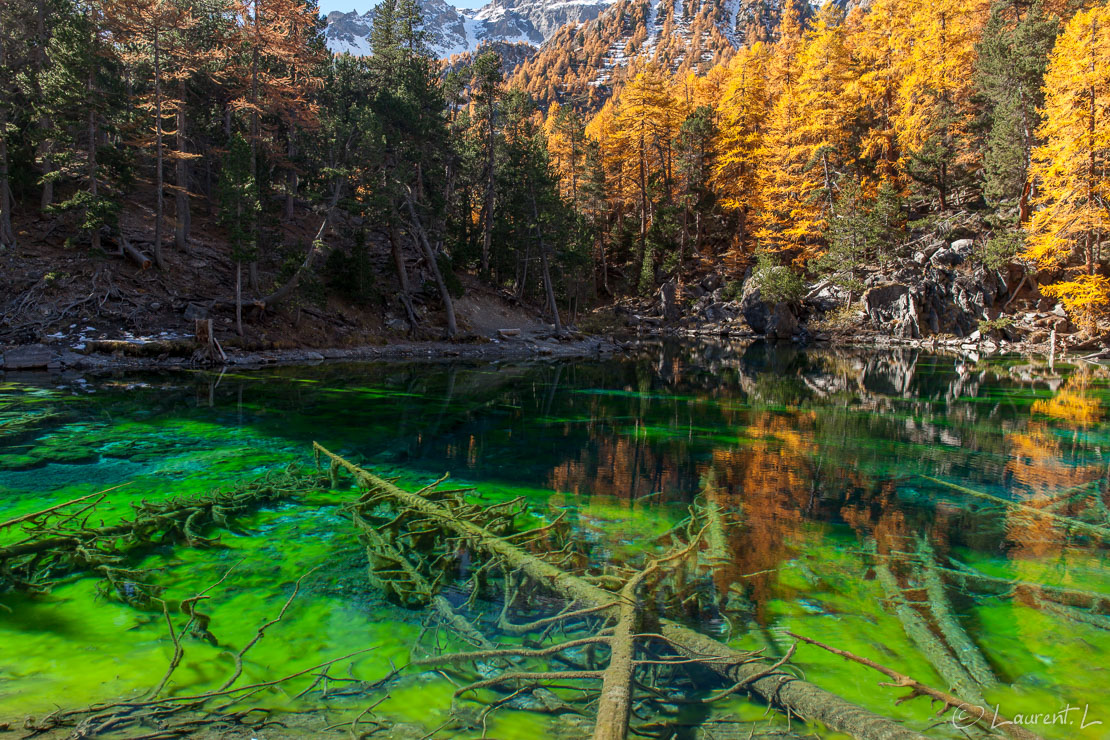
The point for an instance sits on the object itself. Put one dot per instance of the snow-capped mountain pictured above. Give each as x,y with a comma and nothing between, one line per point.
454,31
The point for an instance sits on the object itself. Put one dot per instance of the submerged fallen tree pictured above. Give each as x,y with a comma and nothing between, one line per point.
779,688
58,540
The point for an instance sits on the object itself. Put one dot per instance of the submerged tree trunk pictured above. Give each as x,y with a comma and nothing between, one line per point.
796,696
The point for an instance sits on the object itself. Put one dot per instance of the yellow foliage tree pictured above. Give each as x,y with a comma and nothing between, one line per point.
1071,167
646,122
879,44
1084,298
936,110
807,146
741,113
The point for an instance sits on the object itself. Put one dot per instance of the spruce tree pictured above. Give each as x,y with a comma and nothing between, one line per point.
1012,57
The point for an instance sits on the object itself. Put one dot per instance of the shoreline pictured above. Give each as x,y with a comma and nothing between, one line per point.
48,358
41,358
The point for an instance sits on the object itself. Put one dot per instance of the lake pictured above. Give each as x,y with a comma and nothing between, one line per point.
860,487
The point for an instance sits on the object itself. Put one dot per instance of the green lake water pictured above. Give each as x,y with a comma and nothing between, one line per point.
827,461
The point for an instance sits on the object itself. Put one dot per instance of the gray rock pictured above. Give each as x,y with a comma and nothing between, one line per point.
947,258
193,312
778,321
782,323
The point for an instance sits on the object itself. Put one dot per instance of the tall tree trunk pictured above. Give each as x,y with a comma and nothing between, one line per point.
256,134
290,176
1091,171
239,298
46,147
7,235
402,275
642,247
487,234
548,287
181,178
90,89
430,257
159,178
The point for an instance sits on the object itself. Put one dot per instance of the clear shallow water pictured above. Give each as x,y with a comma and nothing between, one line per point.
825,456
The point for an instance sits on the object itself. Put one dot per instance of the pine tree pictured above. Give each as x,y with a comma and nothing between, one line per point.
488,79
81,97
1012,58
239,206
695,164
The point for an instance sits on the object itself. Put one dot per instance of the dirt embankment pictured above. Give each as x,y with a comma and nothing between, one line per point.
62,306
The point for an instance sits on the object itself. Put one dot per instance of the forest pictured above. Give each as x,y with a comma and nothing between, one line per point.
132,126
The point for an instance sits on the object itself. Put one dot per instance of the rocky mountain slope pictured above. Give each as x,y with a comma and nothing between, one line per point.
453,30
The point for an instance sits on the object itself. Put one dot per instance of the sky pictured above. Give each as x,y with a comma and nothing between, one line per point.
327,6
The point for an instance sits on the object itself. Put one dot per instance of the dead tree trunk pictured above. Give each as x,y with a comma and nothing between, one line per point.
778,688
433,266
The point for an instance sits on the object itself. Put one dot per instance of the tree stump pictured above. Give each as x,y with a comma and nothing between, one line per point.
208,349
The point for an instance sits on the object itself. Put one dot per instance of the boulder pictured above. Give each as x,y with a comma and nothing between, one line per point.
947,258
194,312
782,322
884,295
778,320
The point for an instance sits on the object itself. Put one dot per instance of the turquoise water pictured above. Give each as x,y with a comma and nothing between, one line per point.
829,462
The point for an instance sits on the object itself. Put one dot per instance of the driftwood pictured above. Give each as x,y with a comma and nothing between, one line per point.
781,689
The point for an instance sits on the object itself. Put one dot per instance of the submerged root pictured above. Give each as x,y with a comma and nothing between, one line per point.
59,541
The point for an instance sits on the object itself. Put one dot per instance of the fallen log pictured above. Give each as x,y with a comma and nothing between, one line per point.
780,689
1092,530
966,651
947,667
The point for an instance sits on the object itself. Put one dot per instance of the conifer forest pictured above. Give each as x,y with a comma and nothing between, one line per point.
611,369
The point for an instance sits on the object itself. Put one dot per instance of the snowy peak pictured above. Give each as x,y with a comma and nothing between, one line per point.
454,31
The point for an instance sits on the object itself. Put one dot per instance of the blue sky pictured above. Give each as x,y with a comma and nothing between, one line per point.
326,6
